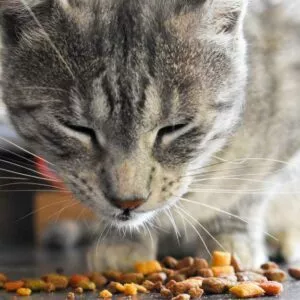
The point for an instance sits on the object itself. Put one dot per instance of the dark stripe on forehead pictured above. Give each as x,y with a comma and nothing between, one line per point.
106,85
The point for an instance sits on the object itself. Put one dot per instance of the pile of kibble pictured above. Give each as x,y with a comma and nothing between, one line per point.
174,279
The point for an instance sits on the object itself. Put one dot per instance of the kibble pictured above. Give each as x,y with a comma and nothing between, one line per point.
131,278
148,267
222,271
13,286
295,273
195,292
105,294
166,292
221,259
170,262
79,290
182,297
272,288
71,296
24,292
247,290
130,289
275,275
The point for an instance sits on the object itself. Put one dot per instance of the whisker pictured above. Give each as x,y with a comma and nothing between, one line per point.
167,212
25,168
241,192
100,237
225,213
203,227
197,232
31,161
24,174
151,238
24,2
61,211
34,183
42,208
23,149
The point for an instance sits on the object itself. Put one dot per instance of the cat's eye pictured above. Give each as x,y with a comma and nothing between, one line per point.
84,130
171,129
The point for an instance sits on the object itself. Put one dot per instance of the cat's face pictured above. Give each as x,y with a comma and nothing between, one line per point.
124,97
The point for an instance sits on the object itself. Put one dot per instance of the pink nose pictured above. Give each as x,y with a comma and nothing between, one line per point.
128,204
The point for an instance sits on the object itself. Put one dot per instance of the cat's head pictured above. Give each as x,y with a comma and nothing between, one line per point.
125,97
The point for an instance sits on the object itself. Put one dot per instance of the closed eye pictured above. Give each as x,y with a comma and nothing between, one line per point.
170,129
87,131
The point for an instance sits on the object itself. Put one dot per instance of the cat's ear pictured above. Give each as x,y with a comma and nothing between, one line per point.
17,14
223,16
211,17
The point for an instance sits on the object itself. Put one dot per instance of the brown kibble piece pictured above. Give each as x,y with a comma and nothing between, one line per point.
112,275
247,290
206,273
154,277
178,277
76,279
184,286
272,288
236,263
250,276
185,263
79,290
98,279
131,278
24,292
221,259
214,285
195,292
269,266
165,292
148,267
71,296
141,289
275,275
105,294
170,262
3,277
182,297
222,271
130,289
149,285
295,273
116,287
13,286
59,281
200,263
36,285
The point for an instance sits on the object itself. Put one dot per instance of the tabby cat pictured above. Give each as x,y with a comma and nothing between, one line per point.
176,121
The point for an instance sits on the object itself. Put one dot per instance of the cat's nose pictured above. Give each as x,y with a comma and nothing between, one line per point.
128,204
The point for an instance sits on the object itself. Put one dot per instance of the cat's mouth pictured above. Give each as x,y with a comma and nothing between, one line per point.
125,215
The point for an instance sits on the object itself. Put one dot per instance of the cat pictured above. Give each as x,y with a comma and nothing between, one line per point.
176,122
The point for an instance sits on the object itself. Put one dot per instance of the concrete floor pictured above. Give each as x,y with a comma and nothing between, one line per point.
25,262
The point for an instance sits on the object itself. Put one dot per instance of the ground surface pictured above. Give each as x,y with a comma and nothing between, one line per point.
19,262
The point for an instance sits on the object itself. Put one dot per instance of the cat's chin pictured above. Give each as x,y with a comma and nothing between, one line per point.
132,221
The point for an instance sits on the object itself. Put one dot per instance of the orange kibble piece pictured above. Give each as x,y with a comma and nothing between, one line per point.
272,288
12,286
24,292
59,281
222,271
76,279
105,294
247,290
148,267
130,289
221,259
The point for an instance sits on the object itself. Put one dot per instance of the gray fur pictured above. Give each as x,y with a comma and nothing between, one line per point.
131,100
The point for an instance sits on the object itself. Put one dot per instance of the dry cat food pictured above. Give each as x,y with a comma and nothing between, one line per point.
183,279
